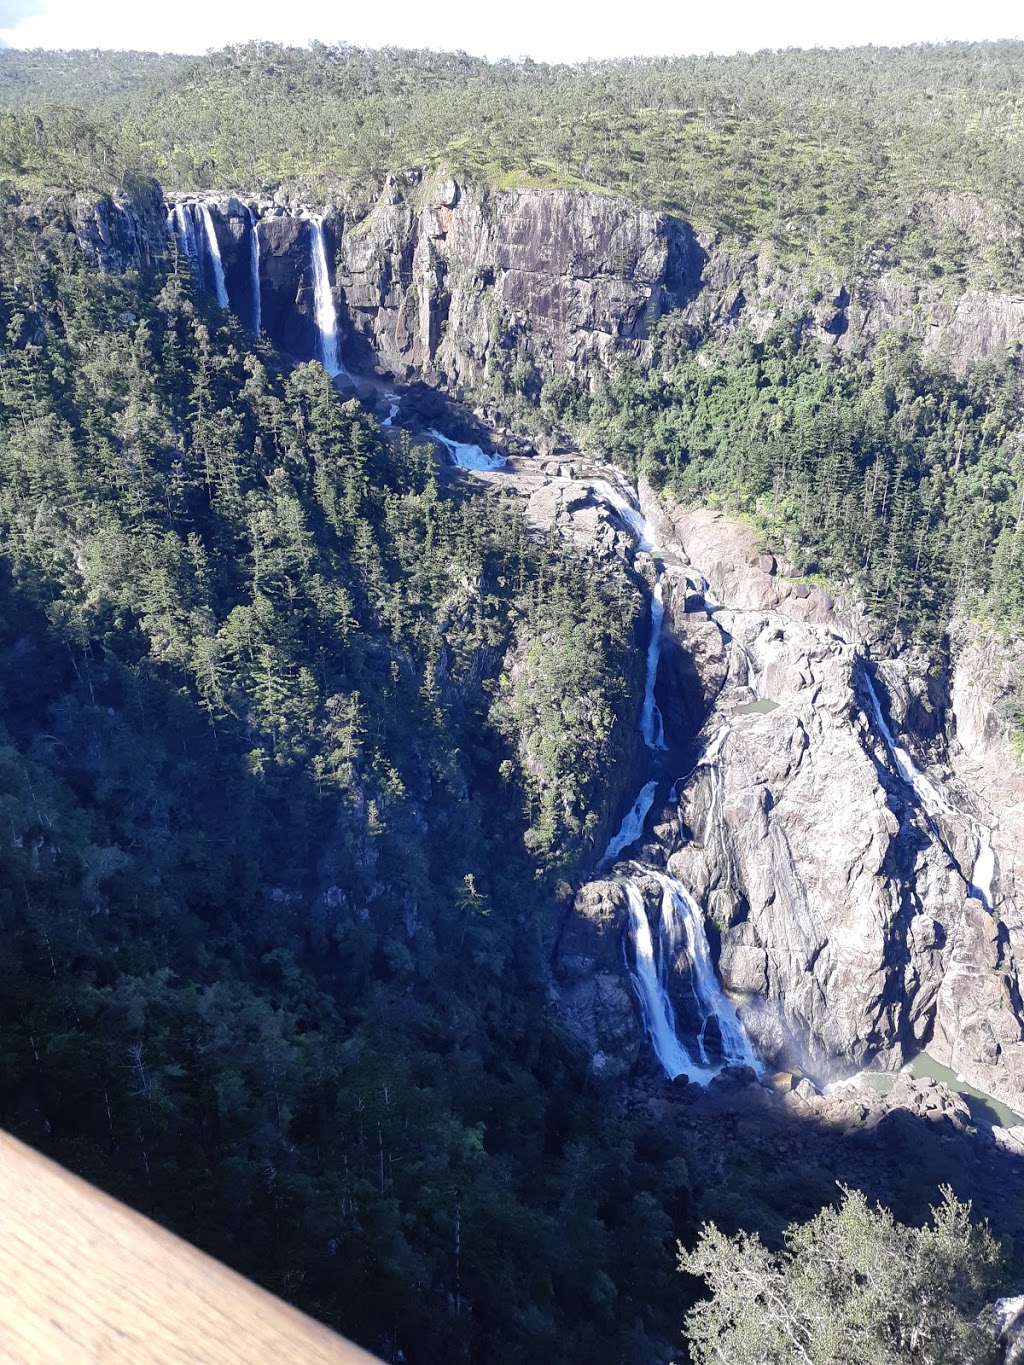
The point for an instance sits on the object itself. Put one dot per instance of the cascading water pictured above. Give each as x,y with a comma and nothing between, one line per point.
632,824
651,725
935,803
984,868
180,222
681,920
680,915
628,514
467,456
213,251
655,1005
254,269
323,301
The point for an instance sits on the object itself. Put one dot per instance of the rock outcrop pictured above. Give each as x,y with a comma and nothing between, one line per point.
839,900
123,232
836,886
450,283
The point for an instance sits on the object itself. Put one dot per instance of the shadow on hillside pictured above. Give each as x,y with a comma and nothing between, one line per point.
760,1161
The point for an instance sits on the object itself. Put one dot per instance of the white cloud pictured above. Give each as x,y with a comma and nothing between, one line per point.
548,30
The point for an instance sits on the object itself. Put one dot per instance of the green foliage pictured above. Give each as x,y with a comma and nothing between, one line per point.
271,926
860,158
852,1287
886,468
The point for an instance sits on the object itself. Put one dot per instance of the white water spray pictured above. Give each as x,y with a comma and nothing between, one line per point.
254,268
213,247
655,1005
651,725
179,220
935,803
632,823
626,512
468,456
323,302
681,916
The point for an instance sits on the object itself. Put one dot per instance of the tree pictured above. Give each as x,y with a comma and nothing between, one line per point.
851,1287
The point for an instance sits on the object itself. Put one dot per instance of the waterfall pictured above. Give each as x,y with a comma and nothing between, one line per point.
680,915
632,824
655,1005
180,222
627,513
927,793
213,248
323,302
394,403
651,726
254,268
935,804
984,868
467,456
681,925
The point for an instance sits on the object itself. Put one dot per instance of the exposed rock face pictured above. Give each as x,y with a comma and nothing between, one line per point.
848,899
986,680
751,292
561,280
841,910
122,234
592,989
449,283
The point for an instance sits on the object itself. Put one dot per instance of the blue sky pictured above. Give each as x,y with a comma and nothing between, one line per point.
547,30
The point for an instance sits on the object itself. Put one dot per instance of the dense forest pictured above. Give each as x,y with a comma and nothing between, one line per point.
270,966
287,825
872,157
890,469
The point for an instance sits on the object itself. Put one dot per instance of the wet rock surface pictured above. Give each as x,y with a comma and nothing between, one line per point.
841,913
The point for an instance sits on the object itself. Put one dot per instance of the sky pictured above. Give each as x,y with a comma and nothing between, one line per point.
547,30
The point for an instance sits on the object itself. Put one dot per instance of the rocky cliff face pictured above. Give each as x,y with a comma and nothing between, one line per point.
122,233
457,282
845,897
449,283
843,900
850,901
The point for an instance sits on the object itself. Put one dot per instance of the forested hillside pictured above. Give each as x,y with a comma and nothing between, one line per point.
271,950
862,158
894,471
308,743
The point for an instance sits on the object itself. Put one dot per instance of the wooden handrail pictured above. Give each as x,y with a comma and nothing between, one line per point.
85,1279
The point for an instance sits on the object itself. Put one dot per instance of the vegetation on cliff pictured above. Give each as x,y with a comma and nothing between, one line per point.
298,740
863,158
273,924
886,467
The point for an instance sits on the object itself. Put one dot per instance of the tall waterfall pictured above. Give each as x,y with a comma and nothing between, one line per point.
659,1019
326,313
682,919
180,222
200,245
213,249
681,931
681,937
254,268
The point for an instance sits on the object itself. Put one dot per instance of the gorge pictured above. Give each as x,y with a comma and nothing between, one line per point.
511,675
858,945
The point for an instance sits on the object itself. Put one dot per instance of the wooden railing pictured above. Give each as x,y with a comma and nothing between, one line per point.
85,1279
